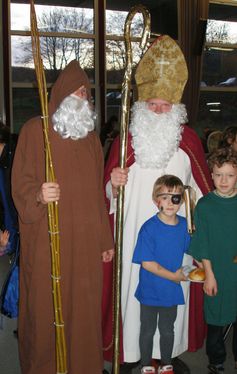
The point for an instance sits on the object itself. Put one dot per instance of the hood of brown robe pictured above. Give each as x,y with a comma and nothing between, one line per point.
69,80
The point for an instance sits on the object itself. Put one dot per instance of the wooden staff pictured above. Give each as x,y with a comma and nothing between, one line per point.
189,207
61,361
126,88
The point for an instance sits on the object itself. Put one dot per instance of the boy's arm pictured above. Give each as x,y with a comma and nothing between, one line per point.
157,269
210,284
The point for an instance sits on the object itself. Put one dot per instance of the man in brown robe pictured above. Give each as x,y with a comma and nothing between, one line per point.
85,236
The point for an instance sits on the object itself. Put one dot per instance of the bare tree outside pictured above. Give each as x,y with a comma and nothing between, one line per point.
115,49
217,32
58,51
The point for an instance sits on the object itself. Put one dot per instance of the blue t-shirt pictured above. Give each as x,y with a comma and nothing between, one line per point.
165,244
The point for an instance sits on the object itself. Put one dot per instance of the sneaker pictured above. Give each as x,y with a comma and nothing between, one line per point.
148,370
167,369
216,369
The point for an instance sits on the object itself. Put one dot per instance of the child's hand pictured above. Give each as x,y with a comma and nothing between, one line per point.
210,285
179,276
4,237
107,256
199,263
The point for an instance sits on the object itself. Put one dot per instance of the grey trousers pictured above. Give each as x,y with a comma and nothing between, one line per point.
166,320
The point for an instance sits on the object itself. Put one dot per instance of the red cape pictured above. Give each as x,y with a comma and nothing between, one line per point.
192,146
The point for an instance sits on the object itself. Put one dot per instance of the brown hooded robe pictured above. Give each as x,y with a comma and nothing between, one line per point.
84,235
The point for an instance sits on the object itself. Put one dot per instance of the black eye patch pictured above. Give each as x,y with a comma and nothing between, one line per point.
175,198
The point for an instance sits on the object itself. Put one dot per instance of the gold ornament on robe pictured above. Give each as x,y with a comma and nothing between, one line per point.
162,72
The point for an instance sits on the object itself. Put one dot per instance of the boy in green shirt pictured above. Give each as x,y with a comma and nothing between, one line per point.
215,244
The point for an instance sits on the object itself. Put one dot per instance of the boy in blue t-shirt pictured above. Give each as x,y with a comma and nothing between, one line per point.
162,241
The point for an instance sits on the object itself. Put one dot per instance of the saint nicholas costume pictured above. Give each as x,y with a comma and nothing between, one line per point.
162,73
84,234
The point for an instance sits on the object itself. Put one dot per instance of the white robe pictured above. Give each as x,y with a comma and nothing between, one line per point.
138,207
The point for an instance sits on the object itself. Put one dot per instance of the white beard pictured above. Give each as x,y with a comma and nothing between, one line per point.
156,137
73,118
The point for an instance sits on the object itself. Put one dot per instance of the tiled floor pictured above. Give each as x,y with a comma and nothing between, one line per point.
9,363
197,362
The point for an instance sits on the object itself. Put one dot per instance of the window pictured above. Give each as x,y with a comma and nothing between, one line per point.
163,21
71,29
66,33
218,97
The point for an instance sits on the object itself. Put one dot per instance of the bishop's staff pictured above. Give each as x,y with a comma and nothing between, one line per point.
126,87
61,362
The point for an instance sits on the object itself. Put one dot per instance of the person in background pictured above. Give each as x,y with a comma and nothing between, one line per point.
206,132
162,241
108,134
8,213
85,234
9,233
108,131
214,243
4,242
213,141
229,138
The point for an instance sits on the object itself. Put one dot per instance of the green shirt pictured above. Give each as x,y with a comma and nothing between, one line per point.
215,239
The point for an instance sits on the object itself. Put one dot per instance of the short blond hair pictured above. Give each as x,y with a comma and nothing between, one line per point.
170,181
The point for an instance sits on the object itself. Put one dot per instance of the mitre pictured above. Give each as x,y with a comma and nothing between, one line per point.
162,72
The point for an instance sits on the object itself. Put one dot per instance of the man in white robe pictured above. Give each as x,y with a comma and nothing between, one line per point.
154,149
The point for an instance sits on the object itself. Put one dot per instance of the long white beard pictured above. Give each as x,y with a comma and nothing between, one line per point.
156,137
73,118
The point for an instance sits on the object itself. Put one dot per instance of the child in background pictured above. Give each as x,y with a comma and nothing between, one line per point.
229,138
161,244
4,241
215,244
